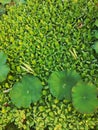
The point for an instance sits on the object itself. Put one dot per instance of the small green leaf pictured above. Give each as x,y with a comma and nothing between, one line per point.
84,98
61,83
96,22
3,57
96,34
4,69
2,9
19,1
5,1
96,46
27,91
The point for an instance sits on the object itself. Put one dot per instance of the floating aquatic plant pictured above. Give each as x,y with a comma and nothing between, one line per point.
84,98
4,68
61,83
52,28
27,91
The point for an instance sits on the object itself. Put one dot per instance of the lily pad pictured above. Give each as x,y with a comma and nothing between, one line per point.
27,91
61,83
84,98
4,68
34,85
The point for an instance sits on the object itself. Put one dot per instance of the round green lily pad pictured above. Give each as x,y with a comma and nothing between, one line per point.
84,98
34,86
27,91
20,95
61,83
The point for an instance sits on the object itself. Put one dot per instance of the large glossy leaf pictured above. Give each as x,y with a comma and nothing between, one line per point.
61,83
84,98
27,91
4,69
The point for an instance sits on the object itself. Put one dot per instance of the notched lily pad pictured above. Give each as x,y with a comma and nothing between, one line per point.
4,68
27,91
61,83
84,98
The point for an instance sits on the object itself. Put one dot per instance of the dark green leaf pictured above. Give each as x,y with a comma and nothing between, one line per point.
84,98
61,83
34,86
27,91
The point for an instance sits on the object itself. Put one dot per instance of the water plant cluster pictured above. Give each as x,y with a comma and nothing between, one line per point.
43,42
61,84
